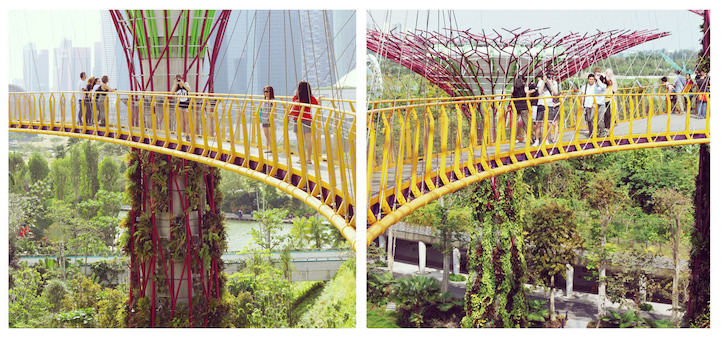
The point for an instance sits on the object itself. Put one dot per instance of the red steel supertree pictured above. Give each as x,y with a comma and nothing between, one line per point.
463,63
175,234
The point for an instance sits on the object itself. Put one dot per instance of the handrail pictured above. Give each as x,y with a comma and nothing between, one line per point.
220,130
418,152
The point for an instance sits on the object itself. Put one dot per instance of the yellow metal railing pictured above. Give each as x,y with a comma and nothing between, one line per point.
224,131
421,151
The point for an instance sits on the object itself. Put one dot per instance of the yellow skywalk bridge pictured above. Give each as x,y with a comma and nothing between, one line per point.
422,149
223,131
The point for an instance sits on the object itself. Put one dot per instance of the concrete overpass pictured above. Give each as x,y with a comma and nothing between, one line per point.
308,265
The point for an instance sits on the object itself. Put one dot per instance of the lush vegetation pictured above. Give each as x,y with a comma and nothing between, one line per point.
65,203
628,212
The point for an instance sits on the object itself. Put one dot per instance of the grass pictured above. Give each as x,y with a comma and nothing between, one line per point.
379,318
335,306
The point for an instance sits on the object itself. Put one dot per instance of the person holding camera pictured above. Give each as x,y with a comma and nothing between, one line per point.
181,90
547,88
594,102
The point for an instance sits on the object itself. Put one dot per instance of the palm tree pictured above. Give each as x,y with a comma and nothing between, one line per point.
301,231
317,232
413,294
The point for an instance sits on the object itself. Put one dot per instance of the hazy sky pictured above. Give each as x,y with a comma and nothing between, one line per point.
47,28
683,25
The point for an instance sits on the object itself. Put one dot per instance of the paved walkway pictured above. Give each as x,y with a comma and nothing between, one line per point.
581,307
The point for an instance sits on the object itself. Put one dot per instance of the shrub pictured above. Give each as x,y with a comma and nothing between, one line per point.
54,294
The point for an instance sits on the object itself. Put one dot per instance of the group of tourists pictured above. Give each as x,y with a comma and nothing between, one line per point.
94,91
543,103
679,93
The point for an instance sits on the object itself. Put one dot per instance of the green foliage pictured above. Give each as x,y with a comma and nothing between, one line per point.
264,298
37,167
269,225
54,294
379,287
336,305
18,172
494,291
538,313
76,318
25,303
635,268
413,295
552,240
108,175
89,172
457,278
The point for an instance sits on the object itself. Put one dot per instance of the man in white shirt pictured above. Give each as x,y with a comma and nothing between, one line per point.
81,87
594,102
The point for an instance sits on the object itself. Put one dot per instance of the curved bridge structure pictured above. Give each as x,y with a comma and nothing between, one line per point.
225,132
420,151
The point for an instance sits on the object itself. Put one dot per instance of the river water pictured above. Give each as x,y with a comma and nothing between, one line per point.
239,232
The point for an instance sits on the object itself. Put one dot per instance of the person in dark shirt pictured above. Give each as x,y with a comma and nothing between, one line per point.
702,85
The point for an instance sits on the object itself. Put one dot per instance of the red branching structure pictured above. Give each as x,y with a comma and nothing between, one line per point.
463,63
136,37
175,228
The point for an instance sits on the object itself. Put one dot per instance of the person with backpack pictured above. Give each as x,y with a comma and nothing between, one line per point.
181,90
537,118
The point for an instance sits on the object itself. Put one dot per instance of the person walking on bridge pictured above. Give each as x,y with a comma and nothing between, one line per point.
303,95
181,89
267,111
678,85
520,90
593,102
81,86
100,99
702,87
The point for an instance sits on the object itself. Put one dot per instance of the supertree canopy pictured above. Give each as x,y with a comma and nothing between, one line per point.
463,63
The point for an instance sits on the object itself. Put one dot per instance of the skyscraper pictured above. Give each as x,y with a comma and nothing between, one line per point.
36,70
68,62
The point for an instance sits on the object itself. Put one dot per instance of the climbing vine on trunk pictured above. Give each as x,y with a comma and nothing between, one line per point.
494,296
175,238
